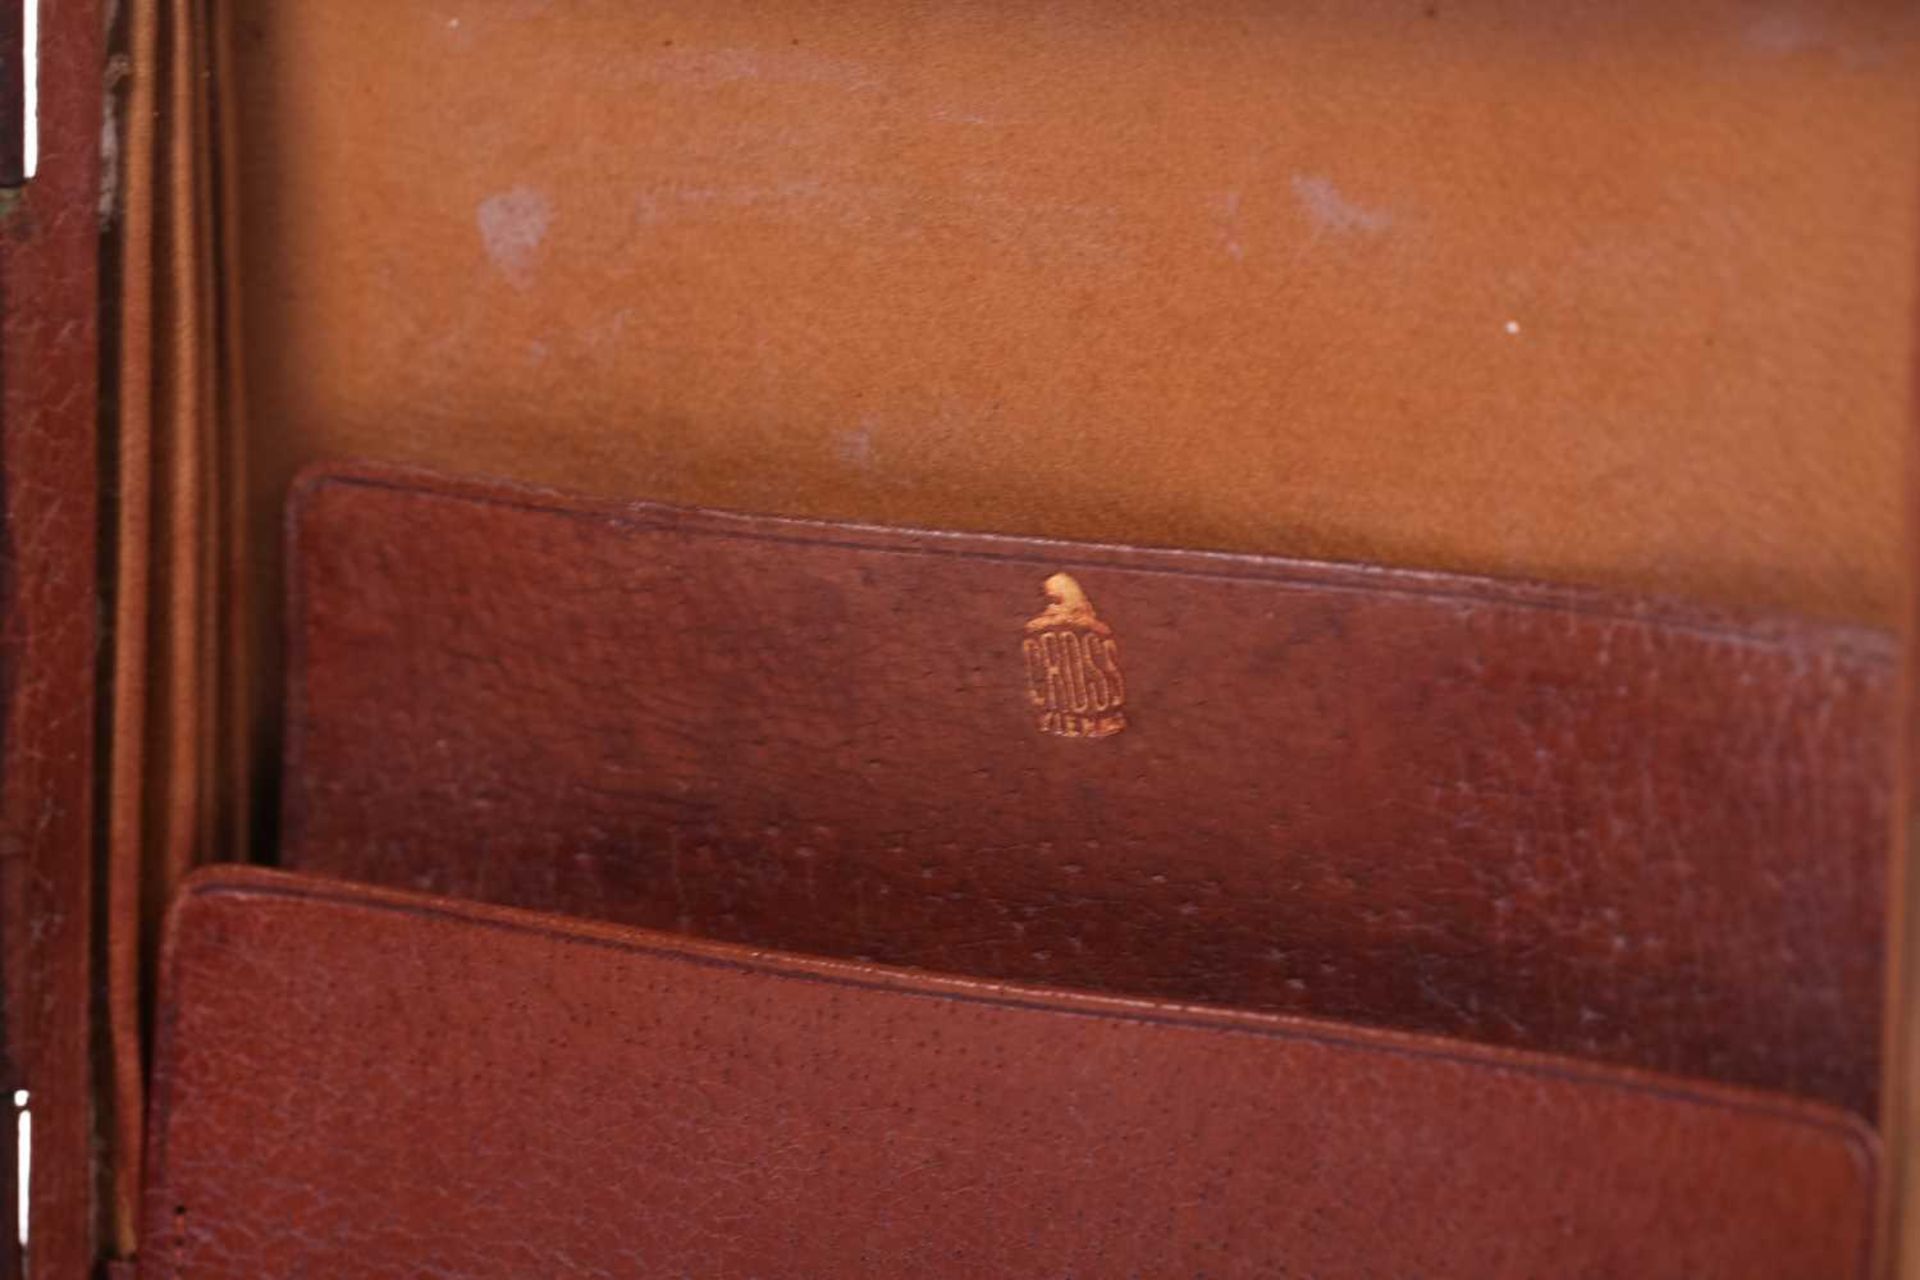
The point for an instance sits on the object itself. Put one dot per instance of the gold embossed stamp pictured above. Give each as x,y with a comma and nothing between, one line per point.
1073,667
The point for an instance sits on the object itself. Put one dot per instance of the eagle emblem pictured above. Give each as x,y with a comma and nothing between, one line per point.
1074,684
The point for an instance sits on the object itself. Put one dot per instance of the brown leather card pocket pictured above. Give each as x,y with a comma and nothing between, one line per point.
357,1082
1602,827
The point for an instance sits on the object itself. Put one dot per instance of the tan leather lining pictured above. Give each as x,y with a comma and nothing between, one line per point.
134,539
240,746
1229,275
178,788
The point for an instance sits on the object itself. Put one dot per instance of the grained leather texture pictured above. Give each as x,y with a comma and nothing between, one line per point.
1526,816
49,629
358,1083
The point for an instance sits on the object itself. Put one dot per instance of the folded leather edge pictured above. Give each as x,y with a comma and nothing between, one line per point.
131,604
178,762
1862,1143
1861,641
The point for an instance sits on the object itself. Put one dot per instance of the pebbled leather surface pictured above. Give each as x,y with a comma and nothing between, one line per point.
1508,814
358,1083
49,628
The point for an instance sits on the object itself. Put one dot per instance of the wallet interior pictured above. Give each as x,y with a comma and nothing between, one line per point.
1620,301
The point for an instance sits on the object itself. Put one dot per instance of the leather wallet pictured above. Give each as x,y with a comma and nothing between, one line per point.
351,1081
1520,815
1618,298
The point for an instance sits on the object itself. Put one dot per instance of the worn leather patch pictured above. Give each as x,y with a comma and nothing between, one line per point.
1623,831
